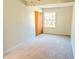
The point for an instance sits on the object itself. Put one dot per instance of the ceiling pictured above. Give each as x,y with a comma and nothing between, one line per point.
43,2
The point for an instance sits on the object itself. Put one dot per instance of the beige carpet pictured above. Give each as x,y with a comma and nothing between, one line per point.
44,47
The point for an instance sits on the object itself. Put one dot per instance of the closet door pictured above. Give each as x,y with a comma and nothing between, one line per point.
38,23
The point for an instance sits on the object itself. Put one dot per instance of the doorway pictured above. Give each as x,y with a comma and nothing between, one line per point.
38,23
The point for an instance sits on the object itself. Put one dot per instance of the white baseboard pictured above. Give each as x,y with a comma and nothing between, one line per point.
13,48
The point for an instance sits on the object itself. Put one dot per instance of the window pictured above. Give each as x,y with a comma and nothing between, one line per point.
49,19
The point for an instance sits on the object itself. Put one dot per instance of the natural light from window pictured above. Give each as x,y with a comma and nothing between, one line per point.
49,19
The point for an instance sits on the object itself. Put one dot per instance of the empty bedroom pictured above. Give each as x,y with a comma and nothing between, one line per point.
38,29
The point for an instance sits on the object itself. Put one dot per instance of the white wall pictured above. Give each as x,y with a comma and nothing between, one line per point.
63,20
73,33
18,23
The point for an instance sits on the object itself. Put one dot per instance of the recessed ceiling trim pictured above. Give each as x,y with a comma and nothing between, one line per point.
57,5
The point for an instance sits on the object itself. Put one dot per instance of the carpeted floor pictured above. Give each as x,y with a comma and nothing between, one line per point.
44,46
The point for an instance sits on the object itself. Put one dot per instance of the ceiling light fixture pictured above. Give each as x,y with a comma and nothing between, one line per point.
30,2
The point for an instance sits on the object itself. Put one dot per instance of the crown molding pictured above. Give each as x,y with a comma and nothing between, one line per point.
57,5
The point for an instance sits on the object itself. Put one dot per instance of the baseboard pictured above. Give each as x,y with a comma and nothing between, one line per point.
17,45
13,48
58,34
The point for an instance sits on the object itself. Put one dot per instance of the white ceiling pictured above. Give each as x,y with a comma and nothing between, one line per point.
57,5
42,2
